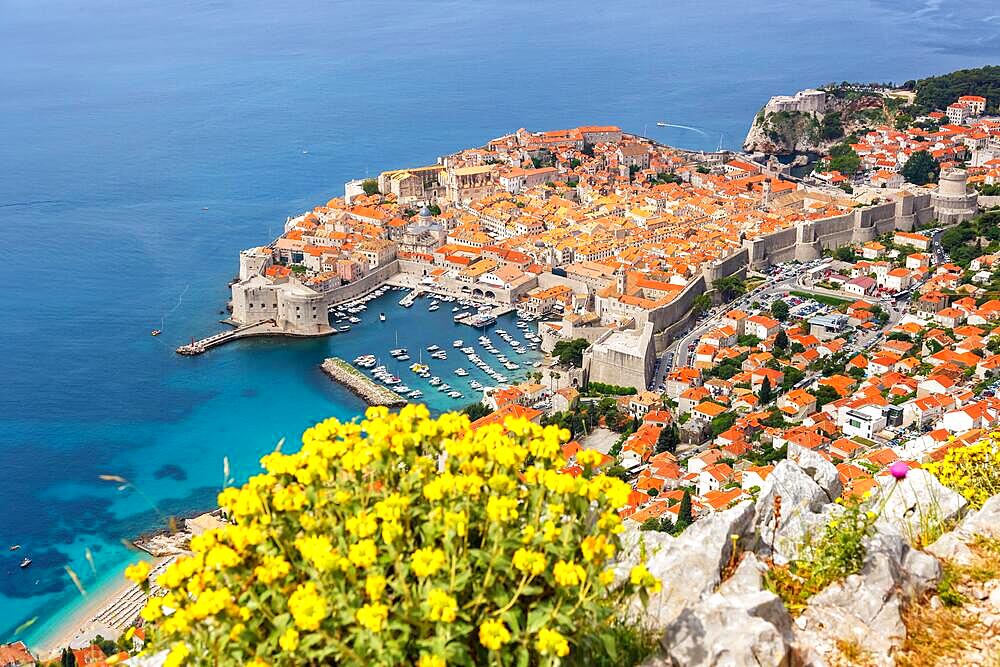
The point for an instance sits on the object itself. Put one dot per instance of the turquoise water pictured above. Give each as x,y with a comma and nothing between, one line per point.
121,121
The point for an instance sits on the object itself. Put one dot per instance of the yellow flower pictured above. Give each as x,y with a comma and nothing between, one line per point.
363,553
568,574
589,458
501,510
307,606
362,525
318,550
443,607
606,577
428,660
551,642
493,634
373,616
221,557
374,586
427,561
138,572
271,569
289,639
179,652
529,562
152,610
640,576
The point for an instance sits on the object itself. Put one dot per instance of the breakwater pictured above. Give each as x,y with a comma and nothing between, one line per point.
369,391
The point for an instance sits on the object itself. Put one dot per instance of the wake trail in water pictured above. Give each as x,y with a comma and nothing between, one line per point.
177,305
688,127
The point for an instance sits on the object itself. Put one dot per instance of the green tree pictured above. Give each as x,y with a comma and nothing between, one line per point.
570,352
684,516
722,423
730,287
668,440
844,159
765,391
781,340
921,169
846,254
476,410
780,310
370,186
701,303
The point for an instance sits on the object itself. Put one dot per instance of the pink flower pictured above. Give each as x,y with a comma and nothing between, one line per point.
899,470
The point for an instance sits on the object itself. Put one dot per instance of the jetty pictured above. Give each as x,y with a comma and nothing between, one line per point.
495,313
360,384
200,346
408,300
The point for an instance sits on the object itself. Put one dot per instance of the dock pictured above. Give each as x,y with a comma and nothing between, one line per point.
200,346
495,312
360,384
408,300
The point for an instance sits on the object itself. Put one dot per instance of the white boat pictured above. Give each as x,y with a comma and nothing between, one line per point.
456,343
416,393
355,320
461,372
433,348
345,328
381,316
25,563
403,357
398,351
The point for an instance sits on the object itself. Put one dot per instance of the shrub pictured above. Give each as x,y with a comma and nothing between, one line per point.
403,540
973,471
838,551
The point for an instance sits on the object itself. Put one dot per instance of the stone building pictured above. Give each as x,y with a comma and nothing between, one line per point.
624,358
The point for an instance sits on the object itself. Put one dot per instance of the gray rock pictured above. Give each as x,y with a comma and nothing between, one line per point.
748,629
818,469
748,577
916,504
803,504
954,546
866,608
689,566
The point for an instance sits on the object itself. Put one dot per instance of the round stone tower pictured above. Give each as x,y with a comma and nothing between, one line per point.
952,202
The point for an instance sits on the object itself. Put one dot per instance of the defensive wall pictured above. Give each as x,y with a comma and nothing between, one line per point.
361,287
809,238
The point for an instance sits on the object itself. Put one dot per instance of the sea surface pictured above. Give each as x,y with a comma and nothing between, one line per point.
144,143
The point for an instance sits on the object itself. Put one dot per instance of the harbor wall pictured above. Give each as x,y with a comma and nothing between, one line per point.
359,384
361,287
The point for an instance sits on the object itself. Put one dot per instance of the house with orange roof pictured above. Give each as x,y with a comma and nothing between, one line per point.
796,404
714,477
706,411
718,501
688,399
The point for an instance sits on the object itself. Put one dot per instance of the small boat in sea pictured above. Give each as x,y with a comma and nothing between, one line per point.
155,332
660,123
15,547
381,316
25,563
456,343
433,308
403,357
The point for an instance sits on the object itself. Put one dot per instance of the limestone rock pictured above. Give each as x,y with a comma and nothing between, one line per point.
818,469
747,629
748,577
866,608
802,504
917,502
689,566
954,546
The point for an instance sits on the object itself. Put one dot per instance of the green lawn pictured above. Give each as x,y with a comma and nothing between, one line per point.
822,298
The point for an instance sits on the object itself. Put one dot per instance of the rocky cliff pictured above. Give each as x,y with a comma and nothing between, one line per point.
788,132
716,607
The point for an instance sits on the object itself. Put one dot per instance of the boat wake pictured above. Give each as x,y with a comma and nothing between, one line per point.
687,127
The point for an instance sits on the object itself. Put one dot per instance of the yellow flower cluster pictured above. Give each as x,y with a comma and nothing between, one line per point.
972,470
400,539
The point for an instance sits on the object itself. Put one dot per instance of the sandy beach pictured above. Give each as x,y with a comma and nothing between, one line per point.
108,611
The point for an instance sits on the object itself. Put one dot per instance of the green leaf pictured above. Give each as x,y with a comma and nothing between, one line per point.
610,646
536,619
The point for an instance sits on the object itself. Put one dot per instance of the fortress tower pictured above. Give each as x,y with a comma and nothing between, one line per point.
953,202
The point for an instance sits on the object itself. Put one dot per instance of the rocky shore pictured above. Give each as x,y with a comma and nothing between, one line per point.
371,392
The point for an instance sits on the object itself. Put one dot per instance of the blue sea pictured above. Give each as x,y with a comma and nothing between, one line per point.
121,121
